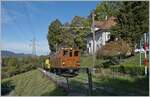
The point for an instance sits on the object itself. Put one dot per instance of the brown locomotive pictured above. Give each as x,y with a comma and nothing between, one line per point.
65,61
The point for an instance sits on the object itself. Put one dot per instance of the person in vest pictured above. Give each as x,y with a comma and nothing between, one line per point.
47,63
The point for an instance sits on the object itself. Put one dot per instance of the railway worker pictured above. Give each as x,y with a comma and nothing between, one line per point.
47,63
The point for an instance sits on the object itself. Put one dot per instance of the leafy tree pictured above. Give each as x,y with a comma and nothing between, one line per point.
79,34
54,35
68,39
132,21
106,8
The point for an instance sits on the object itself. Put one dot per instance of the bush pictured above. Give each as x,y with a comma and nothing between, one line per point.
127,69
19,65
6,87
114,48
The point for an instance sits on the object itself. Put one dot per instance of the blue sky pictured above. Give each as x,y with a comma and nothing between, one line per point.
21,19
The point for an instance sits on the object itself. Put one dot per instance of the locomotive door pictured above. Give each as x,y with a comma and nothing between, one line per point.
67,58
71,55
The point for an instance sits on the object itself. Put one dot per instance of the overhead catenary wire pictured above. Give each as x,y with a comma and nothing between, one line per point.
11,15
32,29
29,19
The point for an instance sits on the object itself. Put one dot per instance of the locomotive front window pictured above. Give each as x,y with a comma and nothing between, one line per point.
76,53
70,53
66,53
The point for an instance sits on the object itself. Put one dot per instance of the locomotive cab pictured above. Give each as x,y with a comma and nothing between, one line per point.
70,58
65,61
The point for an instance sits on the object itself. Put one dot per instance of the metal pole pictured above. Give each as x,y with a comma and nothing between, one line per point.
93,31
145,48
89,81
67,83
56,47
140,52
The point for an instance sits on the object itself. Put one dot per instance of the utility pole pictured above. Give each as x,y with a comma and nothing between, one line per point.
33,45
93,31
145,49
140,51
56,47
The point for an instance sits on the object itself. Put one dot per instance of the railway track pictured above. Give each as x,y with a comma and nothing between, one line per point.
63,82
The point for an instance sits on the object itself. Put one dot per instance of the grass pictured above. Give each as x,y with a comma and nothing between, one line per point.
33,84
134,60
119,84
128,86
87,61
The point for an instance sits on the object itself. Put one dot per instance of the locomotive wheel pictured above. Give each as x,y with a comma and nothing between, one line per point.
59,71
52,70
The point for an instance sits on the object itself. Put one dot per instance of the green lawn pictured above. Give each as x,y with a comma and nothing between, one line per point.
119,84
33,83
134,60
87,61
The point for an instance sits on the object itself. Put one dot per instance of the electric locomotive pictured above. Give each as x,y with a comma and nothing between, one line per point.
65,62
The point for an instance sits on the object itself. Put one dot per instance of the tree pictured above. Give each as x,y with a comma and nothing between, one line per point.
68,39
79,34
132,21
106,8
54,35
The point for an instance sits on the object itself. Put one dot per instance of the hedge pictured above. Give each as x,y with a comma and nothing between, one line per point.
6,87
127,69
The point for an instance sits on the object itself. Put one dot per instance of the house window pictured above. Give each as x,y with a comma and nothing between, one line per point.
108,36
97,46
89,44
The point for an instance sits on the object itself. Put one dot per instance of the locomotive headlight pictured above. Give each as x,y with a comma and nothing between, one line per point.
71,70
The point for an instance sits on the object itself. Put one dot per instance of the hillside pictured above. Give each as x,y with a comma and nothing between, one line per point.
32,83
5,53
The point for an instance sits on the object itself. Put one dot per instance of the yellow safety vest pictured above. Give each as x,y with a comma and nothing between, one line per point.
47,62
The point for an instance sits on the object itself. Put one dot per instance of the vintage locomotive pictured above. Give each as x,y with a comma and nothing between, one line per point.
65,62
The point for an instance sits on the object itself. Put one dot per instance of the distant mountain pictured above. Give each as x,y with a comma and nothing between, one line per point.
5,53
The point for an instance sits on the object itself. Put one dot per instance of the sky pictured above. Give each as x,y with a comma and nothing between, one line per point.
21,20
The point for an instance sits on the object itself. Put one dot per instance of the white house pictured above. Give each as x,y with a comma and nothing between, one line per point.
101,34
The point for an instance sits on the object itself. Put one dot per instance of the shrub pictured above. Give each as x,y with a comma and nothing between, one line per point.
127,69
19,65
6,87
114,48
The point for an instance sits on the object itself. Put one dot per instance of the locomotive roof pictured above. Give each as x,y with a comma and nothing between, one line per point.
69,48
